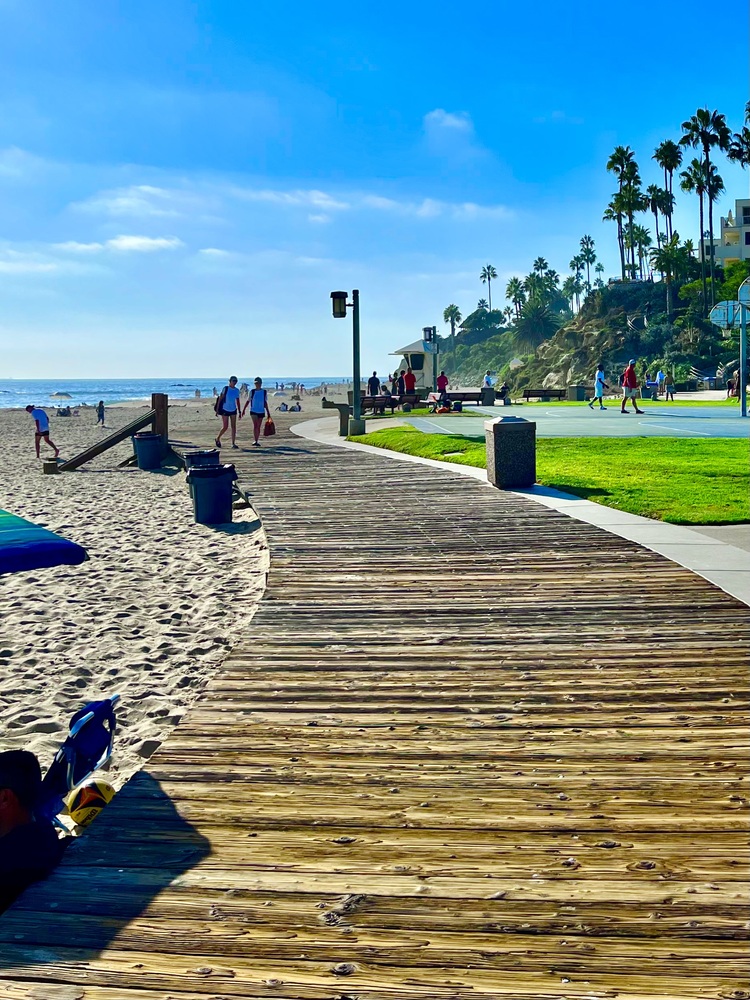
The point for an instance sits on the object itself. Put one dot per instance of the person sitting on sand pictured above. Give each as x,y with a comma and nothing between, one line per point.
100,412
42,429
283,408
29,849
258,403
228,408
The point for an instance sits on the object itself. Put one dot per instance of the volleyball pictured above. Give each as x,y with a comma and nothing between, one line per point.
86,802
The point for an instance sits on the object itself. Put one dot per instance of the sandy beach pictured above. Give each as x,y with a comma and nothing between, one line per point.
151,614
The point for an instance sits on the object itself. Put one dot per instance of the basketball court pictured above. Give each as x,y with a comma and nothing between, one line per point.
662,420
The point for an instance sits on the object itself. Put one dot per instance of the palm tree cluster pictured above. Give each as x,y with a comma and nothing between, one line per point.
707,132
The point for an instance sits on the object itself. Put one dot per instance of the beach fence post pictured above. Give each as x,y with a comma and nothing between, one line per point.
160,406
511,452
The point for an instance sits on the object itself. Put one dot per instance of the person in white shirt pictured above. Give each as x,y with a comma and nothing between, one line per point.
660,376
599,386
487,383
258,404
228,408
41,421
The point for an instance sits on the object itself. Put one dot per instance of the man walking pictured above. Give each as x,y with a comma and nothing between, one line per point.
41,420
599,386
629,387
373,385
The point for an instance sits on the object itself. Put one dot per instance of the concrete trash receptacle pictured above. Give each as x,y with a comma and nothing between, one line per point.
511,452
576,393
211,491
148,448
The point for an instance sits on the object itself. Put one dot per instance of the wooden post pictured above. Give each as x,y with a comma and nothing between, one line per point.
160,406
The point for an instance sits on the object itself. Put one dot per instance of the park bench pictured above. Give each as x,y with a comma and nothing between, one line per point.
375,403
544,393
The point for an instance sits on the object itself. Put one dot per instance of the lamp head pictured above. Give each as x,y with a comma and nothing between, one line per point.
338,303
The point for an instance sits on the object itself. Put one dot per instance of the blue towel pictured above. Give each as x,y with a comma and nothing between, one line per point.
25,546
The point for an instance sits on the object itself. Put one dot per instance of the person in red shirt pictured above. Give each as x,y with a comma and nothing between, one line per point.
441,382
410,381
629,387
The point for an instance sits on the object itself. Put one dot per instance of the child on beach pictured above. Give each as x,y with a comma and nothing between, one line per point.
228,408
258,404
41,421
100,412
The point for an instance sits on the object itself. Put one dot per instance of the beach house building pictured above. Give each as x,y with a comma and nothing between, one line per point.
733,241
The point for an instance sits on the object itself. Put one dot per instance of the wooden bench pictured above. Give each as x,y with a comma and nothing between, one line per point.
544,393
381,403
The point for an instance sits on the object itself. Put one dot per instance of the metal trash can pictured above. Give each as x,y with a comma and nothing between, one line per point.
211,492
148,450
576,393
199,459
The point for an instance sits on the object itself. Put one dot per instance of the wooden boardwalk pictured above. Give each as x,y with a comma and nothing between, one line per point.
469,748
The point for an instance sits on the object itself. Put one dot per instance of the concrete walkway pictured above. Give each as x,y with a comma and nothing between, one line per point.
720,555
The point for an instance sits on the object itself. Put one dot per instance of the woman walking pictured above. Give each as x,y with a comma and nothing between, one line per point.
100,412
258,404
228,408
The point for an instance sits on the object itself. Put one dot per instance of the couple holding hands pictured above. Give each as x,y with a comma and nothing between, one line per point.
228,408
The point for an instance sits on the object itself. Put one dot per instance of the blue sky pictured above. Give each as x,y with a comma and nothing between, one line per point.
182,184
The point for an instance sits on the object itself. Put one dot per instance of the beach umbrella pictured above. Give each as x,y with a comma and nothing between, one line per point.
279,393
60,395
27,546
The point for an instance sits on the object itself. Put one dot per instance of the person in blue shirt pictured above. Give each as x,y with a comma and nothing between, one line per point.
228,408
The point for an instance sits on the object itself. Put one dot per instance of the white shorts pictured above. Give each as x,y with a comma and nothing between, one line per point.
628,393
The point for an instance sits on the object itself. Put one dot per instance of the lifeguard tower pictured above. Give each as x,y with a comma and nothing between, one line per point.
421,357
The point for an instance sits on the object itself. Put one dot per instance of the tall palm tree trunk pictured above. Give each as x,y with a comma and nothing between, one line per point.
621,245
656,220
669,217
703,259
710,226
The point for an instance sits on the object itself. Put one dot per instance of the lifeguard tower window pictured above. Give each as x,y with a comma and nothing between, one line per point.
416,362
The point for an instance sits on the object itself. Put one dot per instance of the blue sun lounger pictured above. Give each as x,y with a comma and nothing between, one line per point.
26,546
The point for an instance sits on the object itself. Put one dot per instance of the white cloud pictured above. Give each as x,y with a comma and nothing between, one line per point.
298,197
26,266
74,247
441,119
214,252
15,162
144,244
319,217
144,201
134,244
450,135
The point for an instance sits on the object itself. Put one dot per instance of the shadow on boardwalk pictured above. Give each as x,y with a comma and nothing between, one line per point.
131,853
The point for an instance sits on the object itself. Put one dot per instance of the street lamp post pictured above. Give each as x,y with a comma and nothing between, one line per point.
340,305
728,315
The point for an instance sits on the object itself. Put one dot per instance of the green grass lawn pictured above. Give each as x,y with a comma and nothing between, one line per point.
679,480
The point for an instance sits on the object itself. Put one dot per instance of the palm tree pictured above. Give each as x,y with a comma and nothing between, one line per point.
739,148
714,187
633,201
706,129
569,291
669,157
599,283
620,159
536,324
642,240
540,265
694,181
488,274
612,213
452,315
588,256
655,196
482,304
668,259
514,293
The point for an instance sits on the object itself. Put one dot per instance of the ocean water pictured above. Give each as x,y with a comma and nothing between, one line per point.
20,392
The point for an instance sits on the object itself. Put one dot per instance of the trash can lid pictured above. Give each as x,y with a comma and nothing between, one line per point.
201,451
211,471
143,435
